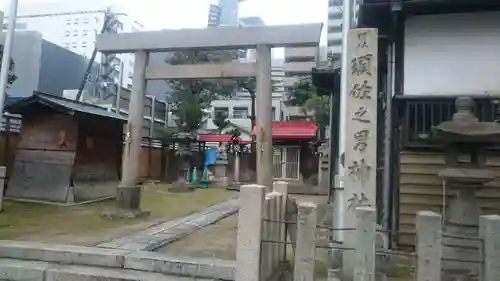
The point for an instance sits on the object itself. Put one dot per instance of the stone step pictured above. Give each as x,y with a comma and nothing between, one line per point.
114,258
19,270
67,254
182,266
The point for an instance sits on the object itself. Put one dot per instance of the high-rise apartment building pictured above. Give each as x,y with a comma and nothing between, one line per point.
74,25
334,36
224,13
249,55
229,12
214,15
298,63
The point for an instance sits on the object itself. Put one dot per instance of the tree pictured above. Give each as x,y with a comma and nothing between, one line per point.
250,85
306,95
190,97
12,69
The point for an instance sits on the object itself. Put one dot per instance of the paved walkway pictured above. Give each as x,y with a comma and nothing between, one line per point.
158,236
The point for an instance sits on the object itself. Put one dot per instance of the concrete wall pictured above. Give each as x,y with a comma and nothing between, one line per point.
26,53
62,69
43,66
452,54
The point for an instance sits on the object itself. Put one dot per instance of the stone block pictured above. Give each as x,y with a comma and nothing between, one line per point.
67,254
200,267
128,197
248,249
22,270
134,246
159,240
429,246
489,231
84,273
305,254
183,229
115,243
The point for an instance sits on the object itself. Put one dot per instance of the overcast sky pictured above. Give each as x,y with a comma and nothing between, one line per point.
157,14
174,14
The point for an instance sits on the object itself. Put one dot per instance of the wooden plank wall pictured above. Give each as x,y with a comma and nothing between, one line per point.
151,163
44,160
421,189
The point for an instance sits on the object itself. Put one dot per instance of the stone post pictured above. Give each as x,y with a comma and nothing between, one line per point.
282,187
248,250
334,274
264,118
129,191
305,252
489,231
3,171
358,171
237,167
429,246
364,267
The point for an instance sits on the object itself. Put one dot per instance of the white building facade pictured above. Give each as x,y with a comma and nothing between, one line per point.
74,24
452,54
334,35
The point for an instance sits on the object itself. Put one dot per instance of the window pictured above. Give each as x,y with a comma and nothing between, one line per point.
68,33
76,21
273,114
66,45
85,32
240,112
75,45
75,33
85,20
68,21
84,44
221,111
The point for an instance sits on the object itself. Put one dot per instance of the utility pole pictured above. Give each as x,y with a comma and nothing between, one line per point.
119,91
338,220
4,74
5,67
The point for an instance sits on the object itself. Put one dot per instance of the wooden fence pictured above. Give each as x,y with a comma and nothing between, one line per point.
161,163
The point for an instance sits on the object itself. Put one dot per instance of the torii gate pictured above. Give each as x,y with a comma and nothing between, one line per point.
221,38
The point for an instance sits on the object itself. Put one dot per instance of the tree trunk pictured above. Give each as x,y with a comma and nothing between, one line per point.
252,115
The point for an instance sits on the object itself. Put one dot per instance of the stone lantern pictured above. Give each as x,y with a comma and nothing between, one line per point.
465,141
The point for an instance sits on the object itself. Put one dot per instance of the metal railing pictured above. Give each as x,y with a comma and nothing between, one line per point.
419,114
440,261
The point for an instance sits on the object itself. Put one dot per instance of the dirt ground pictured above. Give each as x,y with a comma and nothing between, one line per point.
219,239
83,225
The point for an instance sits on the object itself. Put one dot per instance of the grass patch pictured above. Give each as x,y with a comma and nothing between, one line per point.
21,220
213,241
402,271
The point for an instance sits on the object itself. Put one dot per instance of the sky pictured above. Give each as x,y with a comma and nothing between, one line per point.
161,14
175,14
